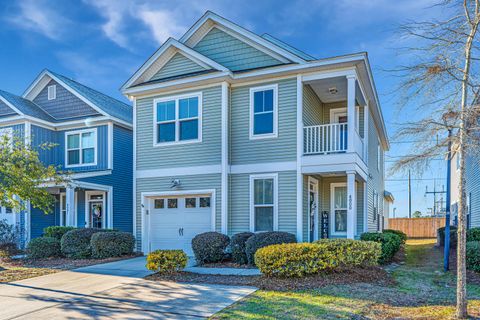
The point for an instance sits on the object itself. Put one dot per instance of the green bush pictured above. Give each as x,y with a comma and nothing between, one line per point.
264,239
300,259
473,255
453,236
43,247
399,233
238,245
8,239
75,244
390,244
209,247
56,231
111,244
8,249
473,234
166,261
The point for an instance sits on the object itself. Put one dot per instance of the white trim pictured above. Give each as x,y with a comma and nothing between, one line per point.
52,92
312,180
299,181
225,189
264,167
177,120
352,205
146,206
77,124
110,146
178,171
252,91
28,133
62,222
81,175
335,113
254,177
365,207
11,106
87,207
332,208
80,148
134,151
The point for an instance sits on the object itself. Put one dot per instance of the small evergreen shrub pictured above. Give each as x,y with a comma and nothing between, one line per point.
8,239
166,261
473,234
56,231
453,236
8,249
75,244
352,253
111,244
390,244
43,247
209,247
399,233
264,239
473,255
238,245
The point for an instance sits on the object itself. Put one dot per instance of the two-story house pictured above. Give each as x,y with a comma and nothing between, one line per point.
239,132
93,141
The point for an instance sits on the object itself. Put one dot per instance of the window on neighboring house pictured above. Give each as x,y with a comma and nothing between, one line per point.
178,119
263,112
81,148
52,92
7,133
263,197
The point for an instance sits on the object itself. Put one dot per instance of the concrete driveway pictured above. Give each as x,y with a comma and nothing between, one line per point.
113,291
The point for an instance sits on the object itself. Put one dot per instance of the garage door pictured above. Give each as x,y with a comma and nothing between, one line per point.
174,221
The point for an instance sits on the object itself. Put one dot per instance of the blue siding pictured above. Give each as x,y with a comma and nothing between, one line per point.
42,136
80,208
40,220
5,110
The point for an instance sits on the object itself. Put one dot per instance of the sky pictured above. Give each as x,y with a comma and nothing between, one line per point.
101,43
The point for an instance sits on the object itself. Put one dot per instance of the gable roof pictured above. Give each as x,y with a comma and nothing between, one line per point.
102,103
288,47
24,107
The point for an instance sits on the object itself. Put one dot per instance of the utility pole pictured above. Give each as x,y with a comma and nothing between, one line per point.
394,211
409,195
434,192
446,248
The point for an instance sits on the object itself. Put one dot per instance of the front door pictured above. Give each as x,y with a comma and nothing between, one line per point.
339,208
96,214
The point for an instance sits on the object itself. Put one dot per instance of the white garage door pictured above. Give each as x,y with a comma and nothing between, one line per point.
174,221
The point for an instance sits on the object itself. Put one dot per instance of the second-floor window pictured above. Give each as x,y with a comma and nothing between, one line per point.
178,119
81,148
263,112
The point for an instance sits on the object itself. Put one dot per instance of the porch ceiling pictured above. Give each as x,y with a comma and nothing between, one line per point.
322,89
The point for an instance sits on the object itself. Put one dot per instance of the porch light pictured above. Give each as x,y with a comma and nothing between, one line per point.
333,90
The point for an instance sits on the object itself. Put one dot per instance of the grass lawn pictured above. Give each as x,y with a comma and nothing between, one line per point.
422,291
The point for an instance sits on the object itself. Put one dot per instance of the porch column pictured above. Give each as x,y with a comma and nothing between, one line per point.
351,205
70,206
351,80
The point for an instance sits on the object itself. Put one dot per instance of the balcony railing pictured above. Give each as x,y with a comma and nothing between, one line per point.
325,138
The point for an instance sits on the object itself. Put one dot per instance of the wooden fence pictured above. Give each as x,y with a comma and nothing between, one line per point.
417,227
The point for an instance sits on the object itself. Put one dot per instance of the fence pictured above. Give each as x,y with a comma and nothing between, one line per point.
417,227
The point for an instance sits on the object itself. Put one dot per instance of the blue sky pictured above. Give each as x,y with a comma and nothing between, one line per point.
102,42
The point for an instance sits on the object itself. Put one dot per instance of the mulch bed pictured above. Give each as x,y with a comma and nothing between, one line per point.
226,264
375,275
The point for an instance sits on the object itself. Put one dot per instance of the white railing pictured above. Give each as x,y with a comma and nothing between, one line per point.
358,145
325,138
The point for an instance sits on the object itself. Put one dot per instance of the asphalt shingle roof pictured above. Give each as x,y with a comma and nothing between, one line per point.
27,107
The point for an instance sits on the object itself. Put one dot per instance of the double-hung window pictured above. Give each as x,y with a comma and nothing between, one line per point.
263,199
263,112
81,148
178,119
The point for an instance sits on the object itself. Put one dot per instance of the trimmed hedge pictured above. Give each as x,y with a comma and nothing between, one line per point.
264,239
301,259
399,233
473,234
111,244
390,244
43,247
75,243
209,247
238,245
166,261
453,236
56,231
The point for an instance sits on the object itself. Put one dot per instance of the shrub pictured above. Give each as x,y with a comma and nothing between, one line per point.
390,244
8,239
209,247
75,243
453,236
300,259
263,239
473,255
8,249
56,231
43,247
238,245
399,233
111,244
166,261
473,234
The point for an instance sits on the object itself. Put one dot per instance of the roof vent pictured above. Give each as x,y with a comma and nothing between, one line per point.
333,90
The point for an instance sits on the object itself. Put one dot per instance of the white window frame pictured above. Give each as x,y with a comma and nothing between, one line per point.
7,132
336,113
52,92
274,134
254,177
95,148
177,121
63,221
106,216
332,208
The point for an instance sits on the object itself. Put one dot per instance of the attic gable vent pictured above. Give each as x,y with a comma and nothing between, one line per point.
52,92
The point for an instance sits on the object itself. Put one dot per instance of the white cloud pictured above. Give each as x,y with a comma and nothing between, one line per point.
162,23
37,16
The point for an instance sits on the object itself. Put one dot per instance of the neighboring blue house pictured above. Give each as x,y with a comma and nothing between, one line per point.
93,137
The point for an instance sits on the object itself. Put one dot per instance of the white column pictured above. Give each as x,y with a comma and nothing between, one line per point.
299,159
351,80
351,205
70,206
225,165
366,113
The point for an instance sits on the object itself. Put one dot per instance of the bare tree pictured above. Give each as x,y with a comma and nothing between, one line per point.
441,80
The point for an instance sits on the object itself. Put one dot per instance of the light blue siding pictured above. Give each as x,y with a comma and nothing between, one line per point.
177,65
312,107
232,53
376,183
472,174
6,111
